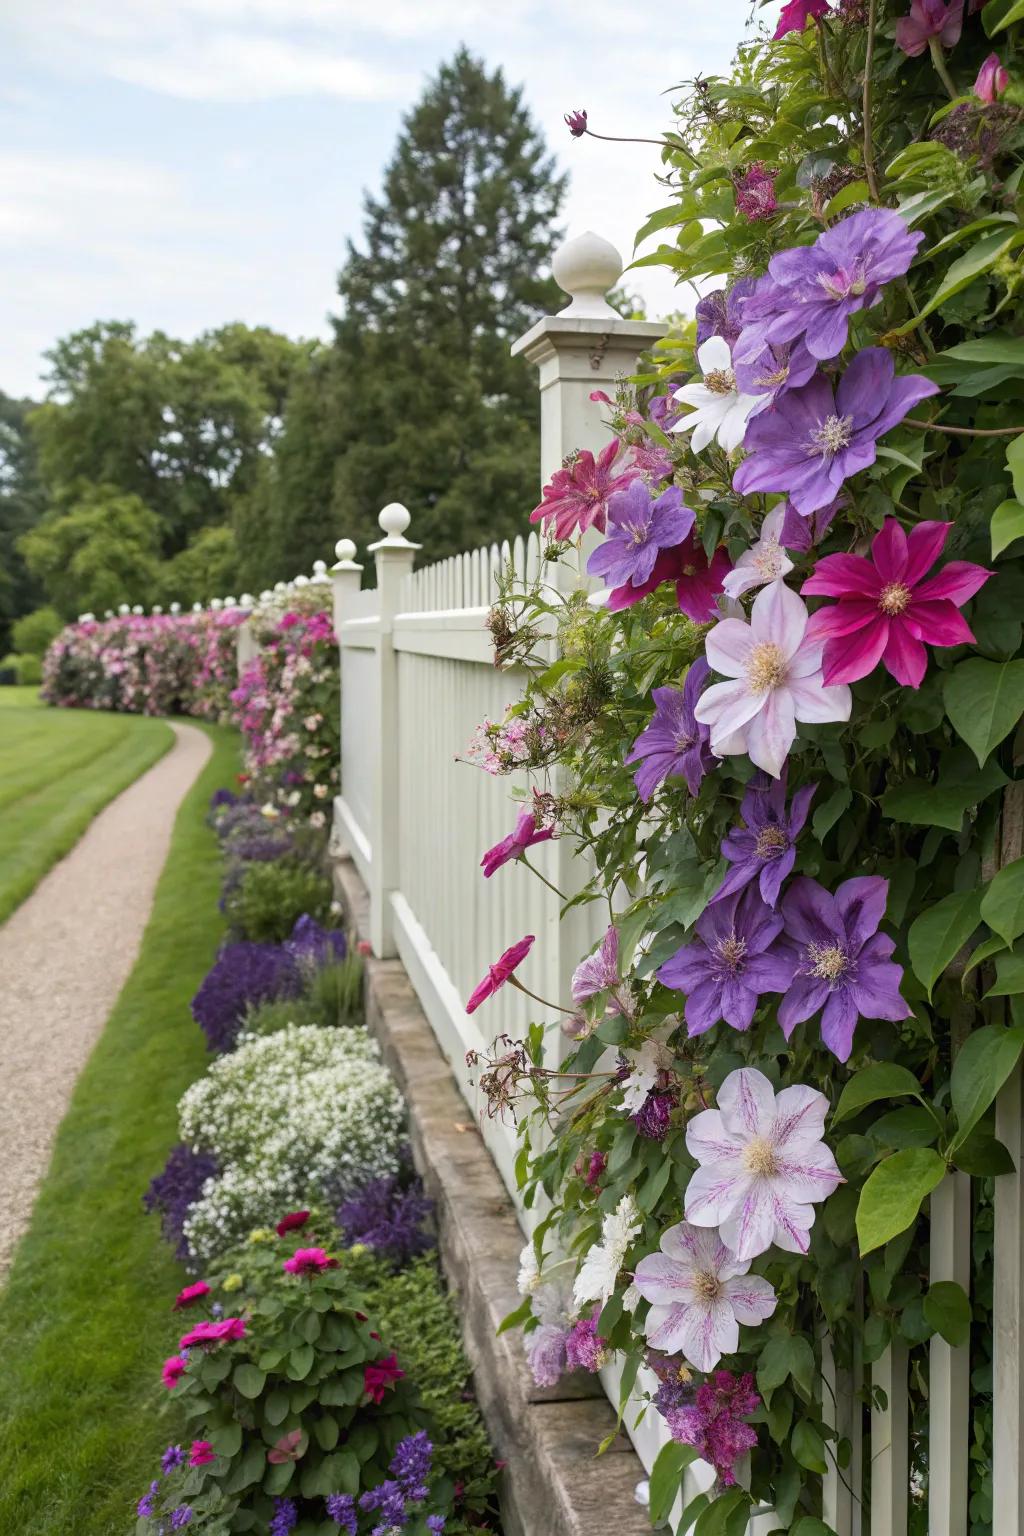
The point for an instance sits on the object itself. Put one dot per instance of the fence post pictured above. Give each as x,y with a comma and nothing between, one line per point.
345,578
393,556
584,347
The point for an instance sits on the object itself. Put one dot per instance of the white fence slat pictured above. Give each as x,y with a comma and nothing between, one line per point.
841,1486
1008,1301
890,1445
949,1390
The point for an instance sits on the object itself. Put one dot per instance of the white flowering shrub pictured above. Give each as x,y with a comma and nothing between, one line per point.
303,1115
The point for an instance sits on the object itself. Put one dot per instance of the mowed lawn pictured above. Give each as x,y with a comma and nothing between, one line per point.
86,1319
58,768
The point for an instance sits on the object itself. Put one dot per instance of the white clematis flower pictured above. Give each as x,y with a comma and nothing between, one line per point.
763,562
600,1269
720,410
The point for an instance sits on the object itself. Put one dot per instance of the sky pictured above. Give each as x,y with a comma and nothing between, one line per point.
186,163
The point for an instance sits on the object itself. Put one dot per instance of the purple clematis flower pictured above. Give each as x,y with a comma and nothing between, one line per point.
730,962
812,290
841,962
775,368
763,1164
801,533
638,529
720,313
599,972
928,19
813,440
764,848
675,743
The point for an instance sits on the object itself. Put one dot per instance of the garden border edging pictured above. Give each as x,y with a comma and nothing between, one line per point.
554,1484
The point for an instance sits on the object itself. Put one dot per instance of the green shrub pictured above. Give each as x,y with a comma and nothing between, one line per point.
31,635
271,1017
288,1409
28,670
269,898
333,997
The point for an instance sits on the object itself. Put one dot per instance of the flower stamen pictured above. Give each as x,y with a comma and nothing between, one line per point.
731,951
894,598
770,841
720,381
828,962
834,434
759,1157
707,1287
766,668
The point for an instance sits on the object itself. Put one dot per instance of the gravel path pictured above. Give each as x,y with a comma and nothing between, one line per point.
65,954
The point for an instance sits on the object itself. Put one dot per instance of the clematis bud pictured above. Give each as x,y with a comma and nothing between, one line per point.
576,122
993,78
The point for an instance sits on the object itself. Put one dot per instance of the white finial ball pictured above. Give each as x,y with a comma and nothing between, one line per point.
319,567
229,602
345,549
175,607
156,609
394,519
137,608
266,595
216,604
108,613
280,586
247,600
197,607
122,609
302,581
586,268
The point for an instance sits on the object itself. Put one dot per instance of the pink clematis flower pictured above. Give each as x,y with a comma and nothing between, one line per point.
599,972
699,1294
525,834
500,972
775,679
886,611
576,496
993,78
699,582
309,1261
763,1164
201,1454
172,1370
928,19
230,1328
793,17
190,1294
379,1376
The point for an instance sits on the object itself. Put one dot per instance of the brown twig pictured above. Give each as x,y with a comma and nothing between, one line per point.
869,62
937,426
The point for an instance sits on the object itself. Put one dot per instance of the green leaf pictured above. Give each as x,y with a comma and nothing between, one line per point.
940,933
892,1195
277,1476
1009,980
808,1447
249,1379
882,1080
854,192
1007,525
1003,14
721,1517
979,954
783,1356
1015,464
249,1470
919,803
984,700
826,816
517,1316
998,348
1002,905
982,1065
980,258
666,1478
948,1311
911,1126
982,1156
300,1362
227,1439
810,1525
276,1406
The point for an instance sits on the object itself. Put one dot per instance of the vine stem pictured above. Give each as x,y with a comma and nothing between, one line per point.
542,878
935,49
937,426
513,981
869,64
626,138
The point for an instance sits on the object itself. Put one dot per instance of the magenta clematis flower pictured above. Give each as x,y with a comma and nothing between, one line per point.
172,1370
201,1453
886,611
993,79
843,965
639,527
576,496
713,1422
190,1294
928,19
794,14
764,848
698,580
812,440
763,1164
812,290
699,1294
730,961
675,744
755,192
599,972
230,1328
309,1261
775,679
576,122
525,834
380,1375
500,972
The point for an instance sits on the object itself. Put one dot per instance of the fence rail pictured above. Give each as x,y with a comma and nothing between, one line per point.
416,679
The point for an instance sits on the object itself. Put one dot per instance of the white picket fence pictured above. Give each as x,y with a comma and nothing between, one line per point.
417,677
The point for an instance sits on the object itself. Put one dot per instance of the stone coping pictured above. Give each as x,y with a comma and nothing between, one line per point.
553,1484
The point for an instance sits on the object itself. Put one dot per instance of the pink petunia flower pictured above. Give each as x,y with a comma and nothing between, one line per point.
524,835
379,1376
886,611
775,679
293,1222
993,79
500,972
699,1294
576,496
928,19
794,14
763,1164
230,1328
201,1454
172,1370
190,1294
309,1261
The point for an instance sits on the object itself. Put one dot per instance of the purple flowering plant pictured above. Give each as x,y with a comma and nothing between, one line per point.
797,799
